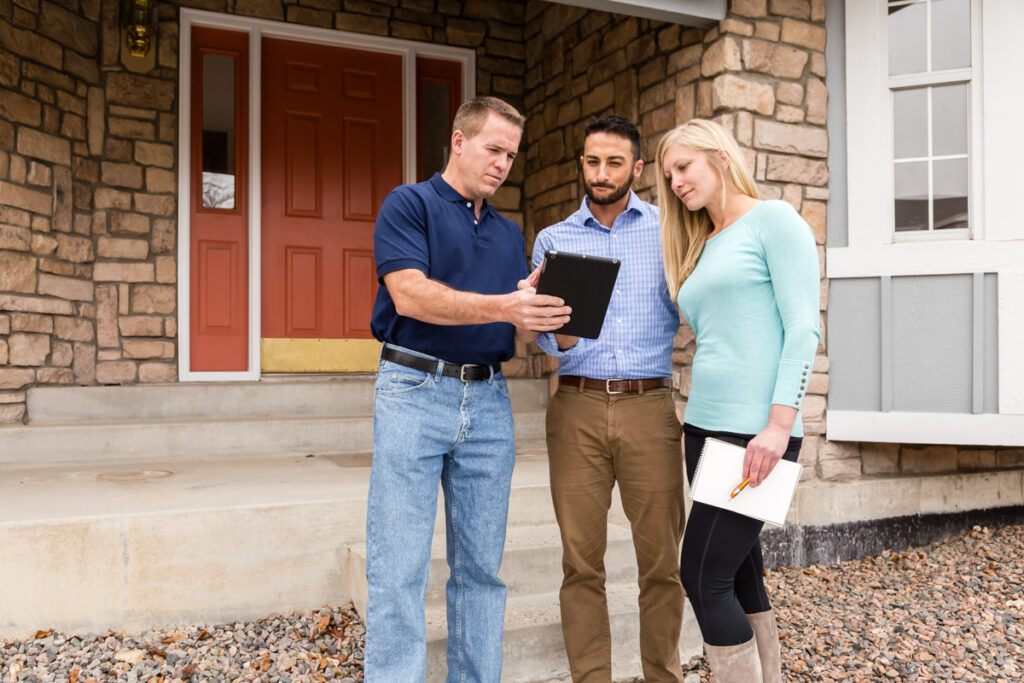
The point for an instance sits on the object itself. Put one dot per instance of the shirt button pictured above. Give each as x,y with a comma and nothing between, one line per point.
619,321
618,351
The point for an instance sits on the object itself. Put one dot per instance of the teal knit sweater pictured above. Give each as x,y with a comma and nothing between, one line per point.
752,301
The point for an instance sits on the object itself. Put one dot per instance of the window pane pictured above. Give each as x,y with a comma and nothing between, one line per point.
951,34
437,115
907,38
218,132
950,194
912,196
949,119
910,124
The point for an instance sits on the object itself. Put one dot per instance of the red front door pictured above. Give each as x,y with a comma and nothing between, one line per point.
332,150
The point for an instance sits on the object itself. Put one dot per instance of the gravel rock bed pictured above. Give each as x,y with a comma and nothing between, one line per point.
319,645
948,611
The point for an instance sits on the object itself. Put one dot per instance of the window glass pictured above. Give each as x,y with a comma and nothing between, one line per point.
908,38
949,119
911,196
950,194
951,34
437,116
910,122
218,132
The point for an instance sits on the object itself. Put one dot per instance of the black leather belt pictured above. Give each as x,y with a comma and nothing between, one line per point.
467,372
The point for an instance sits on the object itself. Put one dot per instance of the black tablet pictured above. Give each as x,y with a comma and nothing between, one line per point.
585,283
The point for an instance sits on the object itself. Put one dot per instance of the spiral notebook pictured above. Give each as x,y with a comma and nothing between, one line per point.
720,469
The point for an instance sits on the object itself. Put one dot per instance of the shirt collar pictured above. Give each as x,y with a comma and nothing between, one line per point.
449,193
587,216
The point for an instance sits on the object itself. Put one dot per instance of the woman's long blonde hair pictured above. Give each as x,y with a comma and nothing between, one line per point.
684,232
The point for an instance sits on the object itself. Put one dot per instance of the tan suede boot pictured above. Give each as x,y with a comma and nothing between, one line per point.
735,663
766,633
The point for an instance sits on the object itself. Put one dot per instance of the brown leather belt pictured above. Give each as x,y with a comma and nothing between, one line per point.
616,386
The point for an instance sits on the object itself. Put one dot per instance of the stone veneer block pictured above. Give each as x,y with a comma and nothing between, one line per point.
65,287
17,272
803,34
793,169
735,92
777,60
33,143
20,109
140,91
153,299
28,349
115,372
123,272
927,459
790,138
24,198
73,329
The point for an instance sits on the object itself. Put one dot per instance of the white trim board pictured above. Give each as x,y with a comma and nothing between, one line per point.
257,29
925,428
924,258
1011,343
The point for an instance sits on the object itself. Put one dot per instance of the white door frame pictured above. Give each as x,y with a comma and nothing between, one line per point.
258,29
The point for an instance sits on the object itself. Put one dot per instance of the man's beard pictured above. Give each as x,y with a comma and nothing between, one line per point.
617,192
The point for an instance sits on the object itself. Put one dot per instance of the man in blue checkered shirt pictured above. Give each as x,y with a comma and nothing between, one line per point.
613,418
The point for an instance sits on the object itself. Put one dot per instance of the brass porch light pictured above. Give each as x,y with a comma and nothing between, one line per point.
140,26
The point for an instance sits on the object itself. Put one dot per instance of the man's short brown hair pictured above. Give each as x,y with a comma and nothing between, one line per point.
471,115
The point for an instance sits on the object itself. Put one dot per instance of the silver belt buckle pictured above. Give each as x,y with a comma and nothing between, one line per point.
462,371
608,386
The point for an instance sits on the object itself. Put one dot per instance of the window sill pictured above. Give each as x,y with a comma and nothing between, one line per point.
936,257
925,428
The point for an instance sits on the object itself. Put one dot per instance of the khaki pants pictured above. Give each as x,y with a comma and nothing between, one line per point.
595,439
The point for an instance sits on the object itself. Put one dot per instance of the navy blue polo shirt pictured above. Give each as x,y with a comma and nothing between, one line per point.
430,227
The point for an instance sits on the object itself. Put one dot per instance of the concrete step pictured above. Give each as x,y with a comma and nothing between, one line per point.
200,438
271,398
532,562
92,546
534,650
198,421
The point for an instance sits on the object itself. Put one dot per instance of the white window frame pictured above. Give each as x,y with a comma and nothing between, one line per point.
258,29
996,243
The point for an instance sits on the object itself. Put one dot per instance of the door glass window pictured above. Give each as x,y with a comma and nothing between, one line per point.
218,132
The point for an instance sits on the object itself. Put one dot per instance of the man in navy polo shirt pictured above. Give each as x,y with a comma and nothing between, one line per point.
451,306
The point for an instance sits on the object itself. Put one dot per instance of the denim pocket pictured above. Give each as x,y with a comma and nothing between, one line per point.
501,385
397,379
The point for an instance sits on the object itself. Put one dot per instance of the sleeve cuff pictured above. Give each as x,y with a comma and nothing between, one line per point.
791,383
546,342
399,264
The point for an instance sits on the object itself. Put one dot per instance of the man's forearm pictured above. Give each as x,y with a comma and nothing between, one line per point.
435,302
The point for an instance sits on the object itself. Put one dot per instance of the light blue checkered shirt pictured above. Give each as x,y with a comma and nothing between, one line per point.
636,339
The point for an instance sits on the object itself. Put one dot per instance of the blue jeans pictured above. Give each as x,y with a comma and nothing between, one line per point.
429,428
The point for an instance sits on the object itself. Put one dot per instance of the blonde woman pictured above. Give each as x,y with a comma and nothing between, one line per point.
744,272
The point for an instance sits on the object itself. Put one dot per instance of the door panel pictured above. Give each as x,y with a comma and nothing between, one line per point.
219,199
332,150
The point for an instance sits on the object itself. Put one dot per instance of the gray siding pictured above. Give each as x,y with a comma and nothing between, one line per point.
854,344
932,327
990,395
919,344
835,80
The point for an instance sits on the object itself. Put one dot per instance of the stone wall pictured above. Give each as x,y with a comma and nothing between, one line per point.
88,174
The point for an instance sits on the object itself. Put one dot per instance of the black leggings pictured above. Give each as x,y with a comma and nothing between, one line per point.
721,566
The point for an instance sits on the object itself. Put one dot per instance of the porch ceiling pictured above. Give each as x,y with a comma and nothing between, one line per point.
699,13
